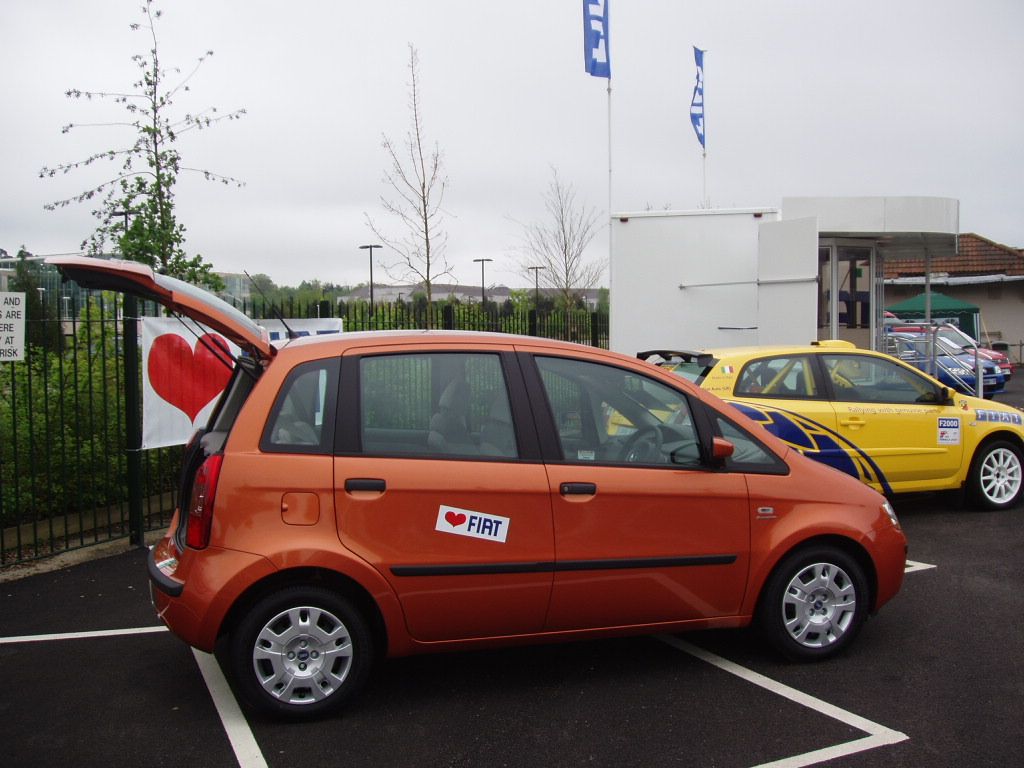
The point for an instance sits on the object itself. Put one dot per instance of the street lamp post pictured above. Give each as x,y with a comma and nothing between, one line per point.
126,213
370,247
483,290
536,286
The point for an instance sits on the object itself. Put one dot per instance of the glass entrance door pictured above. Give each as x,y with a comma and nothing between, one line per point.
850,291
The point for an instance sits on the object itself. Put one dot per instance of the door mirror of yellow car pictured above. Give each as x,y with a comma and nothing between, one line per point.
941,396
945,396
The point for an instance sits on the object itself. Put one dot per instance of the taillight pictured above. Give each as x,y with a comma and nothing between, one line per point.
200,506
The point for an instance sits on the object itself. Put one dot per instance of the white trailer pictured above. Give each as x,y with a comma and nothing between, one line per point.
696,279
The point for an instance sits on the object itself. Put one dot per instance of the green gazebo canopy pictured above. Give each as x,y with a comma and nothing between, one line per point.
944,309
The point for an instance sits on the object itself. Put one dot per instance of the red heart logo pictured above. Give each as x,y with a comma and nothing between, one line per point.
454,519
188,380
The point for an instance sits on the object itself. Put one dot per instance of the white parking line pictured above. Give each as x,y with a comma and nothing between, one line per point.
913,565
878,735
248,754
243,742
80,635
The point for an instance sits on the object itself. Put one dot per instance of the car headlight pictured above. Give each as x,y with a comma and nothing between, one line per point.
887,508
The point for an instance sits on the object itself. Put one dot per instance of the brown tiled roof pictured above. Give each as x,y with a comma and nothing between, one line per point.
978,256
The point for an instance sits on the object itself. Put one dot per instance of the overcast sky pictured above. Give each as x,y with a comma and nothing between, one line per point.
803,98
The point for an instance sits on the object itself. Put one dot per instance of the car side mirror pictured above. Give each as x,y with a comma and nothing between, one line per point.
945,396
721,449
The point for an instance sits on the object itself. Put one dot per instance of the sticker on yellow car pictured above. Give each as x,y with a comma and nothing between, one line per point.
949,431
816,441
1001,417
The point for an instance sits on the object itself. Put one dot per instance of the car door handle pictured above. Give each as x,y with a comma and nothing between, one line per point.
578,489
365,484
853,421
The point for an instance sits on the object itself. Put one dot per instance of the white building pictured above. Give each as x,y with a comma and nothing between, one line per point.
810,269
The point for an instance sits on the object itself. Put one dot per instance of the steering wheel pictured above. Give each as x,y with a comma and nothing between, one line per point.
643,447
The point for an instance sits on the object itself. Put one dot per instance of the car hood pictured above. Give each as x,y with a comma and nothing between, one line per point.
178,296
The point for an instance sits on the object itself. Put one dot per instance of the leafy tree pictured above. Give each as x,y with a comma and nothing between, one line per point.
416,175
263,283
558,243
144,186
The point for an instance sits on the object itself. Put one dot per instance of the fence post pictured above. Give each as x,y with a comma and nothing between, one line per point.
448,317
595,331
132,419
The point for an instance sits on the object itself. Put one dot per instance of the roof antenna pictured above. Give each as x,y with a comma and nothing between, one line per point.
273,308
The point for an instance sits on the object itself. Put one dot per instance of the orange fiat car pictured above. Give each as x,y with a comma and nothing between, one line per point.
364,495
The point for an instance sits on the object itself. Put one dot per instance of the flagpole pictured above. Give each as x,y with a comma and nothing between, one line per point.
704,117
699,121
597,61
609,182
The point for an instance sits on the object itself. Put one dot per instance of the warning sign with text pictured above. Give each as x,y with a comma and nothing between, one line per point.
12,327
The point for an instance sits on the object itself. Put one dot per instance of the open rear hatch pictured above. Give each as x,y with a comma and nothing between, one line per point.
178,296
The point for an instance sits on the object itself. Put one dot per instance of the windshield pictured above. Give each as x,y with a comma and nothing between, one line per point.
956,336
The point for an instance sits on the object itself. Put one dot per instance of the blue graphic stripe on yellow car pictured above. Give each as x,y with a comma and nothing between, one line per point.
816,441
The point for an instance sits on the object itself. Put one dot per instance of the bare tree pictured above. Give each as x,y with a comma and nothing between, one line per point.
558,243
416,176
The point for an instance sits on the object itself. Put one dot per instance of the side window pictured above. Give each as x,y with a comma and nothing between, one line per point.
777,377
609,415
749,454
302,419
435,404
866,379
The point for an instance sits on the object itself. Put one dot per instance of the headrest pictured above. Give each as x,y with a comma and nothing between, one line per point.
456,394
499,409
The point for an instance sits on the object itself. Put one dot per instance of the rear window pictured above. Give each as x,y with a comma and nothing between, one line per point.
693,371
302,419
693,366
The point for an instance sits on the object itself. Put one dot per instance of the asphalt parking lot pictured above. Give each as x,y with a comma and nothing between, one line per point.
936,679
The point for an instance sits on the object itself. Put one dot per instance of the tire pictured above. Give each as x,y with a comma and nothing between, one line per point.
996,479
814,603
300,653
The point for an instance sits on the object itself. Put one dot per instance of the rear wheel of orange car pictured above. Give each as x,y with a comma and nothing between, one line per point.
814,603
301,652
997,475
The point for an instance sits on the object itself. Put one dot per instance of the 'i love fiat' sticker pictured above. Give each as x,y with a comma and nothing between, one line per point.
477,525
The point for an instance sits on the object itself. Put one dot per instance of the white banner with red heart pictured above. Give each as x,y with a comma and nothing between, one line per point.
182,378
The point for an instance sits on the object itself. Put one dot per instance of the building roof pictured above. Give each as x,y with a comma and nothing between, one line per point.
977,256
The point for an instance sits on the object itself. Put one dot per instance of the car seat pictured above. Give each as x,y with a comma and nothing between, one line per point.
497,436
449,432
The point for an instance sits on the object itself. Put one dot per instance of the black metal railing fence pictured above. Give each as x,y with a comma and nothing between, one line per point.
65,458
63,482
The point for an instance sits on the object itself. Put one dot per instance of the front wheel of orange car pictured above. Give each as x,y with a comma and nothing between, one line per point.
997,475
301,652
814,603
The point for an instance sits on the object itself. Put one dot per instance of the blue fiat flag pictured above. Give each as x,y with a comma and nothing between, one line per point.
697,103
595,38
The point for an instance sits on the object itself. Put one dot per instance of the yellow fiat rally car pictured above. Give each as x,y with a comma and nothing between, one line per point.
868,414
